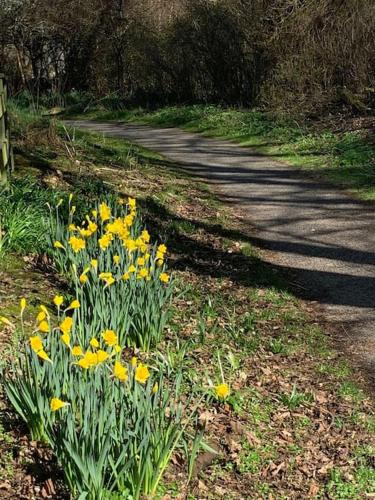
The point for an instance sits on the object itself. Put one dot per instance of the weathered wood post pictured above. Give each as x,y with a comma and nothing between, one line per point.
6,158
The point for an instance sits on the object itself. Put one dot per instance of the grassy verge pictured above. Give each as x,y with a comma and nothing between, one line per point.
296,425
347,159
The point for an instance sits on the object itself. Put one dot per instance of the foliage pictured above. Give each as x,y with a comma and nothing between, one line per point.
300,56
24,216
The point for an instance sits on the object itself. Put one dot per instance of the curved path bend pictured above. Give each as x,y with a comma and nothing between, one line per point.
319,234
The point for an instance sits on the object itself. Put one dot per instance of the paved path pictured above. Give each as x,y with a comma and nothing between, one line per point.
325,238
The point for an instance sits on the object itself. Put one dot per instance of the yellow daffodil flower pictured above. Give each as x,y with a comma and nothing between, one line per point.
57,244
104,212
94,342
23,305
102,356
56,404
141,373
66,339
164,277
43,355
120,371
41,316
77,350
58,300
43,326
74,305
105,241
66,324
77,244
36,343
109,337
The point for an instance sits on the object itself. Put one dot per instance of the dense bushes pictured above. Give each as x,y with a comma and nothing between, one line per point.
307,55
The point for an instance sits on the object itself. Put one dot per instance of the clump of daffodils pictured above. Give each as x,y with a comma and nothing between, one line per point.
92,405
116,270
106,417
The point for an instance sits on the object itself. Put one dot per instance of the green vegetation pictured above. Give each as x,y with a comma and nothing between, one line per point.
346,159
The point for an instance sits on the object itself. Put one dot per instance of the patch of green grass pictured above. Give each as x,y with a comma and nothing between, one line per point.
254,458
339,370
346,159
294,399
349,389
23,216
359,484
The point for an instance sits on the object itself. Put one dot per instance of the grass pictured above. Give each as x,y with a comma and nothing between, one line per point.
346,159
294,405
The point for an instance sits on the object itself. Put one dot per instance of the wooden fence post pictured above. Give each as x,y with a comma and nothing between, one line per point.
6,157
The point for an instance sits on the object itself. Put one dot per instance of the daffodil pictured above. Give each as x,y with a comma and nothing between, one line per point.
132,269
141,373
164,277
44,309
162,249
109,337
43,326
77,350
41,316
58,300
94,263
23,305
89,359
130,245
72,227
143,273
140,261
222,391
66,339
36,343
120,371
132,202
74,305
116,260
57,244
104,212
94,342
66,325
155,388
133,361
83,278
126,276
56,404
105,241
77,244
102,356
145,235
43,355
